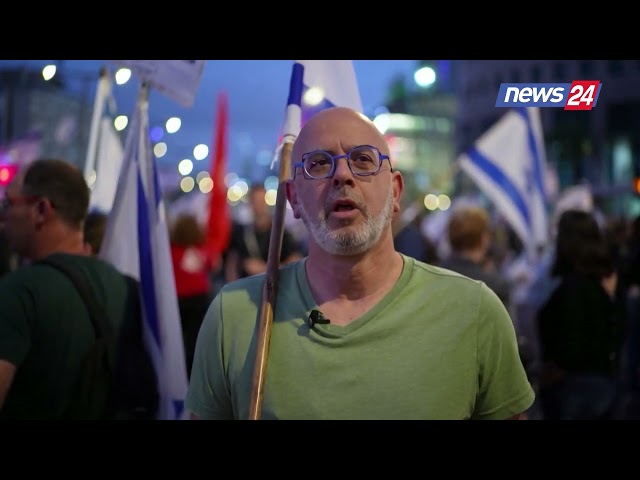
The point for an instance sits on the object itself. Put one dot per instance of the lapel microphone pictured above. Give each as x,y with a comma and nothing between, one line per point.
316,317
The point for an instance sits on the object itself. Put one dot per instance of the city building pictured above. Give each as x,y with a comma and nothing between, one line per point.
420,128
29,106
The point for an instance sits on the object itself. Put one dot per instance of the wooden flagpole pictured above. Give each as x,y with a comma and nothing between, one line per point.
270,287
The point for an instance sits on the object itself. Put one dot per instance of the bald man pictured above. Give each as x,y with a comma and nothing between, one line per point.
360,331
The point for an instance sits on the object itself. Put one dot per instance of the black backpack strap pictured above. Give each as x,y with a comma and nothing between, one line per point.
101,324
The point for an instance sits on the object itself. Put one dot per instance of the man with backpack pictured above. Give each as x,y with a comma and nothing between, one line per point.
65,343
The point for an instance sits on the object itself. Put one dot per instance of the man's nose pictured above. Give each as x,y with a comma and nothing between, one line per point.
342,173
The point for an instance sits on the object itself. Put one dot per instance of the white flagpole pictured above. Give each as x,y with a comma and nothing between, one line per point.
102,93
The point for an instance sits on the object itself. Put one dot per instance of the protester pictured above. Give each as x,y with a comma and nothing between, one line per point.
580,327
360,331
469,235
45,328
409,240
192,268
249,248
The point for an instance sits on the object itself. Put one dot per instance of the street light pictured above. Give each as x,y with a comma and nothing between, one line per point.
173,125
48,72
425,77
122,76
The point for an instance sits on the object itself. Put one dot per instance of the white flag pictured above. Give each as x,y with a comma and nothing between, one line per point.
104,151
319,84
107,169
178,79
136,242
508,163
314,86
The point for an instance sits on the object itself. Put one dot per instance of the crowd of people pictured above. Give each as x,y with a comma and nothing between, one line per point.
373,319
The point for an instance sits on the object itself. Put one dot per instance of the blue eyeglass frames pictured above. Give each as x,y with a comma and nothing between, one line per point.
363,161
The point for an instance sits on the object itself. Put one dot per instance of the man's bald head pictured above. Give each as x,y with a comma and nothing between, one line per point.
338,129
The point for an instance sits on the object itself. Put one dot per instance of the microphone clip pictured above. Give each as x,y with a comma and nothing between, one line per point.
316,317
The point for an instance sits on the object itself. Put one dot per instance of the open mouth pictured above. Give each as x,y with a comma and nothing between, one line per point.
343,206
344,209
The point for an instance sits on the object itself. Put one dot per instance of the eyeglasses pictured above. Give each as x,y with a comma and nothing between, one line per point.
363,161
9,201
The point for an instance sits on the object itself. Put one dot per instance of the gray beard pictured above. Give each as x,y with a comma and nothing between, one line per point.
349,243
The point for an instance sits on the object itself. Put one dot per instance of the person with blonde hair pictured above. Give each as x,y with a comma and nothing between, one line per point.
469,235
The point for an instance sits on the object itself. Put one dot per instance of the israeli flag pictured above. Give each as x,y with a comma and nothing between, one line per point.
104,152
136,242
108,162
508,164
316,85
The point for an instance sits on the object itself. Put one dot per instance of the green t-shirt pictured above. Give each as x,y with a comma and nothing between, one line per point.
438,346
45,331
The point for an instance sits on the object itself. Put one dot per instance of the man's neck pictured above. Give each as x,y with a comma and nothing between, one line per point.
60,240
352,277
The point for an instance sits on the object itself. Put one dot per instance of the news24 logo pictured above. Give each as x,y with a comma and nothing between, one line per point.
578,95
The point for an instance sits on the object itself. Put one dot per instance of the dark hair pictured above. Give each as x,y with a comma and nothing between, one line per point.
580,246
187,231
63,185
94,227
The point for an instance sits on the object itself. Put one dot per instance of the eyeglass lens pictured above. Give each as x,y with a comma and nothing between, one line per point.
362,161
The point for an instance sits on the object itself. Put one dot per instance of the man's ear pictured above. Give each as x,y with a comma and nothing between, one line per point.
398,188
44,209
292,197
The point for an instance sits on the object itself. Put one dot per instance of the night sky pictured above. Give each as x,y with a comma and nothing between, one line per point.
257,92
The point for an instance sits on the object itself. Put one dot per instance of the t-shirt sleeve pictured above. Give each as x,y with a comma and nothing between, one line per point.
208,395
503,387
15,337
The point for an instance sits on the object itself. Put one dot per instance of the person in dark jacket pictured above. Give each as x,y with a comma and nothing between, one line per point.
580,325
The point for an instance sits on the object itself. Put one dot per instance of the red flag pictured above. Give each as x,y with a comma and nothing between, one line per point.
219,221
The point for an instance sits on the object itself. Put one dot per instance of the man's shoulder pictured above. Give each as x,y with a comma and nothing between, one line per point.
443,273
43,273
36,280
287,274
88,263
21,277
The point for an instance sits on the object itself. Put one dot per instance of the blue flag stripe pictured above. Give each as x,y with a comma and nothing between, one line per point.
295,85
298,88
501,180
535,155
147,281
